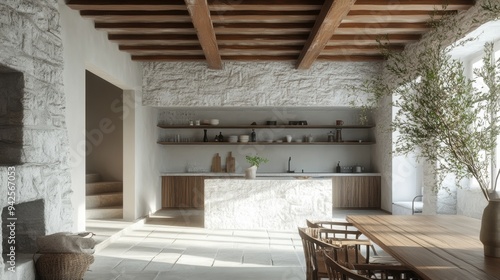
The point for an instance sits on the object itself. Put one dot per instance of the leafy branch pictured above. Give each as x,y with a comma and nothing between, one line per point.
441,115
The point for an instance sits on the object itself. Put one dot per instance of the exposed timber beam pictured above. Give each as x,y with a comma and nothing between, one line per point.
200,16
329,19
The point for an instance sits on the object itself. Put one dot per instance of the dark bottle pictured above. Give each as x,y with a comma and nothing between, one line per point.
338,167
205,137
339,135
216,139
220,137
253,136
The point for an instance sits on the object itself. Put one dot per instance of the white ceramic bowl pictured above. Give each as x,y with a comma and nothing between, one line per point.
232,139
214,121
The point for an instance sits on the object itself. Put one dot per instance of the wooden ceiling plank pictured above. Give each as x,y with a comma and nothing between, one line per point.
330,17
424,5
146,27
264,5
351,57
168,57
200,16
122,5
158,48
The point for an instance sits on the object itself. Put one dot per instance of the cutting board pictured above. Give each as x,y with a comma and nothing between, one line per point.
230,163
216,165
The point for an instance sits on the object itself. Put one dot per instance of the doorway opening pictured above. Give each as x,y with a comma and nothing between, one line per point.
104,148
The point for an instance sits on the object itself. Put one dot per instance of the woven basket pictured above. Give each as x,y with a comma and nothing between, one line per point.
63,266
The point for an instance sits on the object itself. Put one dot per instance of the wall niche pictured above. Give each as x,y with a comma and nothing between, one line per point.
11,116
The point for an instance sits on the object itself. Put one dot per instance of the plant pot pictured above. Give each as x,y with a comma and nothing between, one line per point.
251,172
490,229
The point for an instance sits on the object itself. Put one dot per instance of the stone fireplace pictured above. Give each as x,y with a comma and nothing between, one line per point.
33,135
29,224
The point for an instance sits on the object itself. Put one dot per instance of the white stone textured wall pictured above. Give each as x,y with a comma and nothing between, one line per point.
267,84
30,43
266,204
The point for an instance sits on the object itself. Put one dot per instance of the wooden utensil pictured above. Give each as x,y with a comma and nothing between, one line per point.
216,165
230,163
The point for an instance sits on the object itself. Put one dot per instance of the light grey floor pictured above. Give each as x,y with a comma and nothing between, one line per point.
174,245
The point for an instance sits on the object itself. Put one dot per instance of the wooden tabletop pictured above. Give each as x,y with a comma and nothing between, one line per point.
436,247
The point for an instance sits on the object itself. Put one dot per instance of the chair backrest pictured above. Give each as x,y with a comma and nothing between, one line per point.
336,229
311,248
339,272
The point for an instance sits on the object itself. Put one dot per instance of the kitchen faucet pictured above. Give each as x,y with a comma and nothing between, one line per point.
289,171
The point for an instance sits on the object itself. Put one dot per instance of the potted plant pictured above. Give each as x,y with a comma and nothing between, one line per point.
443,118
255,161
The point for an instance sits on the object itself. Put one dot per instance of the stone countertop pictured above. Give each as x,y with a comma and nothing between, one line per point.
264,174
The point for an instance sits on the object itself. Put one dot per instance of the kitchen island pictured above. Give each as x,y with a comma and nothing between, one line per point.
266,203
349,190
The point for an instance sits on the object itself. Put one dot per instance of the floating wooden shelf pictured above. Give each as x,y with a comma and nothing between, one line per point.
266,143
266,126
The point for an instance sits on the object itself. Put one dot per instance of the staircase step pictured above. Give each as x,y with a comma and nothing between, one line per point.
103,187
104,200
93,177
112,212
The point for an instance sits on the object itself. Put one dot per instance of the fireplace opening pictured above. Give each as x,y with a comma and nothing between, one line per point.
11,116
29,223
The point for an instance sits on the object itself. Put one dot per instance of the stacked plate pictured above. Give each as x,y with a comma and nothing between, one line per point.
232,139
244,138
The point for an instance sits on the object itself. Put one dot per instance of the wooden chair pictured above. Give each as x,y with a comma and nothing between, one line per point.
340,229
337,231
338,272
345,251
313,254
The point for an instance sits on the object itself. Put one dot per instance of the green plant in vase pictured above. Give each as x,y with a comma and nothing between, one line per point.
255,162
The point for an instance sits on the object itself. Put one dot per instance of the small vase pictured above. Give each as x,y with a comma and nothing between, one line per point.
490,229
251,172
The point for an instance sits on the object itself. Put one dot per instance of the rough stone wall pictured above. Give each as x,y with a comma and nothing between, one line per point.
275,84
30,43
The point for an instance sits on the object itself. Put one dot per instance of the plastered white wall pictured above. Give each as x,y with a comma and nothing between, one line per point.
88,49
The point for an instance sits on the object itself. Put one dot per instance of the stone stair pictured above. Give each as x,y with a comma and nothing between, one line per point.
104,200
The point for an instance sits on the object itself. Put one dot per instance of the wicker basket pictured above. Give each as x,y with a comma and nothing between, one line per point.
63,266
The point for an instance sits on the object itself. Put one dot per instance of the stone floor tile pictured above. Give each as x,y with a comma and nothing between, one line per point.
90,275
129,265
228,257
256,258
143,275
104,263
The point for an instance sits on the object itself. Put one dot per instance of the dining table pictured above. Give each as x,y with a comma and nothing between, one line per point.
437,247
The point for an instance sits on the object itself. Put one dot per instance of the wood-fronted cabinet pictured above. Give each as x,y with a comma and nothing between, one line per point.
183,192
356,192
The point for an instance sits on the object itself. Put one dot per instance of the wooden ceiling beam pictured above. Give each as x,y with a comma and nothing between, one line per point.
330,17
200,16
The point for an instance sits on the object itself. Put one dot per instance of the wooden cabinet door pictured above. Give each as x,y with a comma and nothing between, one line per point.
183,192
356,192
